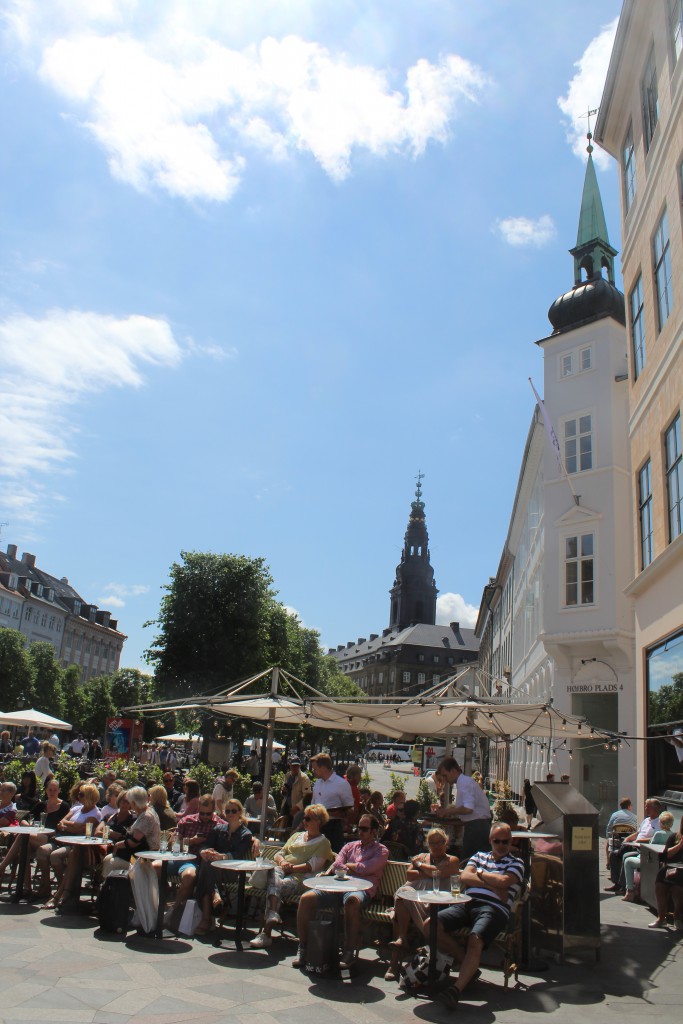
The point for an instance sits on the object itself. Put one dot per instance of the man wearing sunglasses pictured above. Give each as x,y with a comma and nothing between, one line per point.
492,880
195,828
363,858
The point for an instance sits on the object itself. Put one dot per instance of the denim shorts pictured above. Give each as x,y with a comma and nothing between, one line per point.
483,919
330,900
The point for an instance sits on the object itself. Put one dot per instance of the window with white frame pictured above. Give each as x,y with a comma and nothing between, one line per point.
578,444
673,462
567,365
637,326
579,568
677,27
645,513
586,359
650,99
662,261
421,678
406,677
628,169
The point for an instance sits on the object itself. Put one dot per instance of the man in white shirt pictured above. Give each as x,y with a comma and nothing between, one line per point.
54,741
79,747
647,829
471,805
335,794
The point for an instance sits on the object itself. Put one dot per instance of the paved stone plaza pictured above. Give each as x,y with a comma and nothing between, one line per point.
63,969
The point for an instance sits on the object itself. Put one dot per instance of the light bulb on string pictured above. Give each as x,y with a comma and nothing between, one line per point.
571,754
564,724
439,710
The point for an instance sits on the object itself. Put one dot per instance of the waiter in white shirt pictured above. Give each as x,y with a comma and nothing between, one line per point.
471,806
335,794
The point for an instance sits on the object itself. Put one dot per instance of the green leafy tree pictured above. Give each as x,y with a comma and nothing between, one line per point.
130,686
47,678
213,623
16,672
100,704
666,703
76,698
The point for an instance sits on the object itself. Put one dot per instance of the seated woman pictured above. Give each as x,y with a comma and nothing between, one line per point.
253,805
190,801
66,861
8,808
424,867
40,847
304,854
158,798
669,881
110,807
375,807
230,840
143,834
27,797
631,862
6,745
120,822
404,828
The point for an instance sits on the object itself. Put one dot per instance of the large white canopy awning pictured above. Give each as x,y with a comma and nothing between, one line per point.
38,719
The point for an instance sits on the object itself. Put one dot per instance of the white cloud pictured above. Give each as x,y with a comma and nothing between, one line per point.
521,231
176,106
111,601
454,608
584,93
47,365
115,593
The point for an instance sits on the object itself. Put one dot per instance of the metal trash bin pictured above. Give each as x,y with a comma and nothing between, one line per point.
565,873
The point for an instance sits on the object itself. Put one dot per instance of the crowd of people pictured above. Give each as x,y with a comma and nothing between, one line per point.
331,824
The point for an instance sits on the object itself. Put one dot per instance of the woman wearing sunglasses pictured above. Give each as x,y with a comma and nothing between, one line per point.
304,854
424,868
229,840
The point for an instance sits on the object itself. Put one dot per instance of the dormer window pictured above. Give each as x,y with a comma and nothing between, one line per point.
13,581
77,607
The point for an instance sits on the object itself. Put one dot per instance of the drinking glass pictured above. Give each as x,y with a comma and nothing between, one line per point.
163,844
43,819
185,846
88,829
455,885
436,882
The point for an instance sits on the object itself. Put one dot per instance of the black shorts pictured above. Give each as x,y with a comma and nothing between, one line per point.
483,919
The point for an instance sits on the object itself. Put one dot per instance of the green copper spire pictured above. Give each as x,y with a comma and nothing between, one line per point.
592,223
592,252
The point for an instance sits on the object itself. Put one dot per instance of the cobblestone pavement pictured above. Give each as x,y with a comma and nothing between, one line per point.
63,969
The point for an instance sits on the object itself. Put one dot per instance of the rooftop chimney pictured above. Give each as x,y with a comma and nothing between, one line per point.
29,560
373,636
455,626
12,550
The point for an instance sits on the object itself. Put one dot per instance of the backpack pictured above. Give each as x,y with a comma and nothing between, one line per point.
114,903
417,972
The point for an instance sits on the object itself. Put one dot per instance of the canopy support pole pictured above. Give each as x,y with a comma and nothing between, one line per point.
268,764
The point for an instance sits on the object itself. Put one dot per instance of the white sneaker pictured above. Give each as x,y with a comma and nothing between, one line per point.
262,941
272,917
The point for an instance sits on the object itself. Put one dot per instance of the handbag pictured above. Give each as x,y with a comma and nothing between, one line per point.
674,875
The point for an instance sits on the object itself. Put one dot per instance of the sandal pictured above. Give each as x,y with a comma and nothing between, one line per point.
391,974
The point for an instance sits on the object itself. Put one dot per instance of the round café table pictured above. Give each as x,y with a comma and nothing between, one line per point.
435,900
24,832
166,858
80,843
242,868
337,886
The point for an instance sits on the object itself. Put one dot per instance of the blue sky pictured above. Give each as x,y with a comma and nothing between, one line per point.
262,261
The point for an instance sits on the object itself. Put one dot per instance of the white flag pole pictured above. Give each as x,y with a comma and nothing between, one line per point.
550,431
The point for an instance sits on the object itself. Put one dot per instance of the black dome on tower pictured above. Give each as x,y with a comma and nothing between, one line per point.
593,296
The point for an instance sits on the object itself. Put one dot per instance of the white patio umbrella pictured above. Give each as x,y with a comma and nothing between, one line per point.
433,714
38,719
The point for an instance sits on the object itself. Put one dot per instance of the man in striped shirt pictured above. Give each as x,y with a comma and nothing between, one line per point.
492,879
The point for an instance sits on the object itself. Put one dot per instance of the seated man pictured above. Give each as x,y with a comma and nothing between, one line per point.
492,879
624,816
648,827
195,828
364,858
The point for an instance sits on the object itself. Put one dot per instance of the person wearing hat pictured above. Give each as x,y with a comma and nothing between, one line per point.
296,786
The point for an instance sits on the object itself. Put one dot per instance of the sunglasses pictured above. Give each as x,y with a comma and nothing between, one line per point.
501,842
206,814
310,817
231,810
